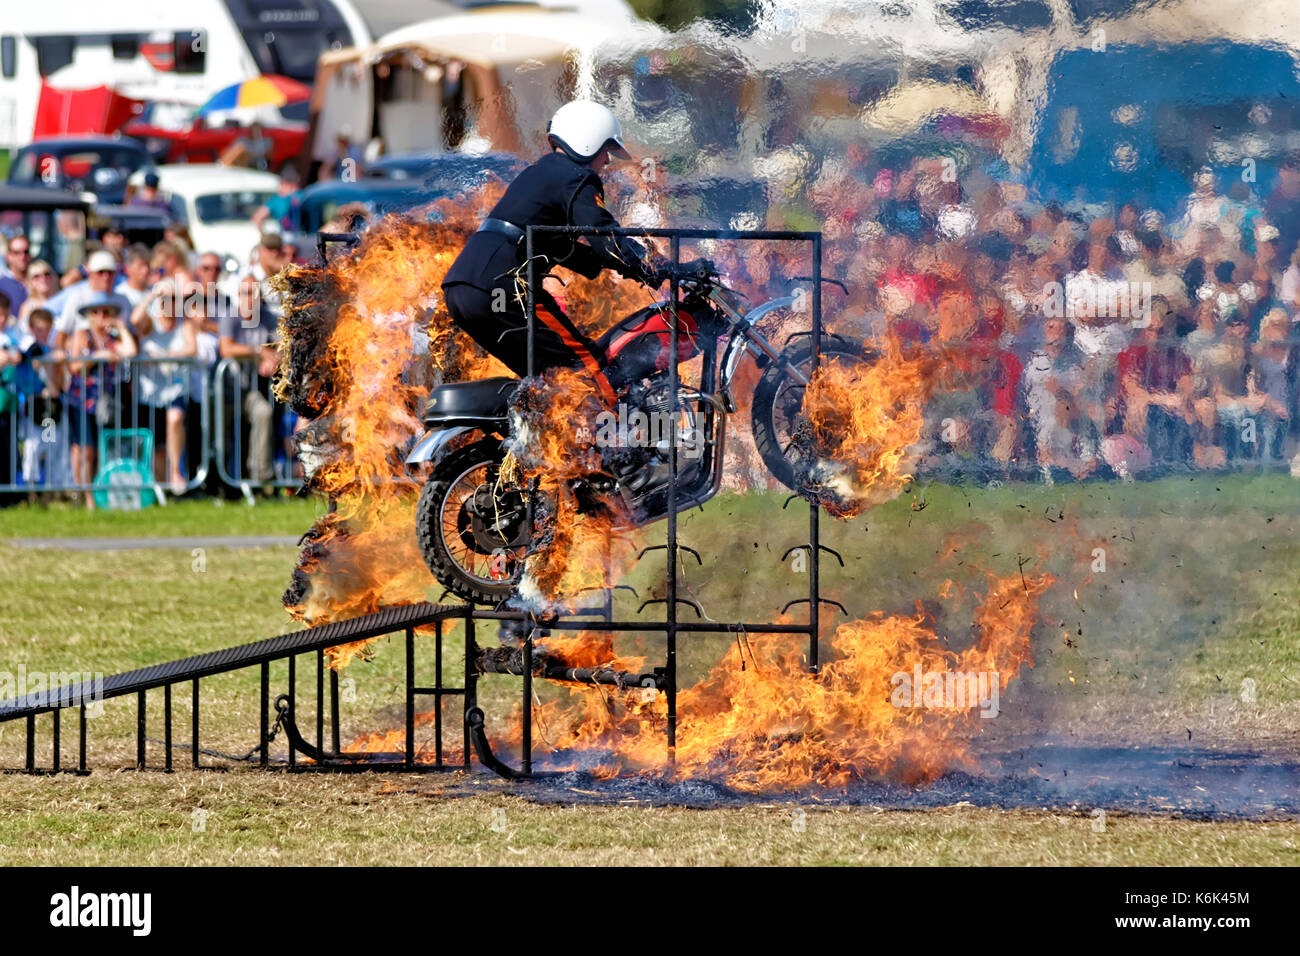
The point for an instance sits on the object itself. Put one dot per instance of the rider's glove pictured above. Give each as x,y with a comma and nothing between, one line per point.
698,269
663,270
657,269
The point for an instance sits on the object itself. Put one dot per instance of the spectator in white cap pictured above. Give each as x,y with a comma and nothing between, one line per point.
95,387
101,275
1266,251
1290,291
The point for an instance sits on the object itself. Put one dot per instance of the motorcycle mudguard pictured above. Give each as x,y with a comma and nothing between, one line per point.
738,345
433,445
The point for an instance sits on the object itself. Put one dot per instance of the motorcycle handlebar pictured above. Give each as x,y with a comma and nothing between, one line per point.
826,280
697,269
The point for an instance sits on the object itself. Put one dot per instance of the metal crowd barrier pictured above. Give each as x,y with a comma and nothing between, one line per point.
129,454
224,423
42,437
234,454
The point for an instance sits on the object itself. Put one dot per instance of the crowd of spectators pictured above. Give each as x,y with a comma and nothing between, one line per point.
1071,339
1074,339
130,340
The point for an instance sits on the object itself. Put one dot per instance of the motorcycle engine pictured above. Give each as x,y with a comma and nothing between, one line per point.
648,428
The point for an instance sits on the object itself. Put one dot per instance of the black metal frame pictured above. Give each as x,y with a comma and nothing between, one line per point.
405,619
408,619
672,626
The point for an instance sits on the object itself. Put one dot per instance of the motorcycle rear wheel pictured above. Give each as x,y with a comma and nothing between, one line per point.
472,559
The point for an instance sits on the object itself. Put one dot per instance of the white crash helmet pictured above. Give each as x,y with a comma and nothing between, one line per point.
582,128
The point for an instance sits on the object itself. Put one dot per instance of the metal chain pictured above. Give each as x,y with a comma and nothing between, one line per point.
246,758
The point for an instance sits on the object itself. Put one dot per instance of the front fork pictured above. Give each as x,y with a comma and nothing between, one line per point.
747,340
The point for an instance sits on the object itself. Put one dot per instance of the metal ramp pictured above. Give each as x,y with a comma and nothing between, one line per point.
191,670
407,619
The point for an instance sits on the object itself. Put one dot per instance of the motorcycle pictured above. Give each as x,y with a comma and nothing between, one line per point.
474,528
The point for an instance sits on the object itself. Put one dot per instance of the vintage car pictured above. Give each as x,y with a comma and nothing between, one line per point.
82,164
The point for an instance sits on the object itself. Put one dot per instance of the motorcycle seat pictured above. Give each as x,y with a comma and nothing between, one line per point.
483,398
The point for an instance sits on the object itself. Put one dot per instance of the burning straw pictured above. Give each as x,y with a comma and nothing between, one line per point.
553,419
351,364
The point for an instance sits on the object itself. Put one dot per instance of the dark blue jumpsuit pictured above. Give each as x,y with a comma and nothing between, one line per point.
556,190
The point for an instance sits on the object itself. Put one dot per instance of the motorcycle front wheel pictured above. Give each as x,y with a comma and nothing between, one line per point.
778,405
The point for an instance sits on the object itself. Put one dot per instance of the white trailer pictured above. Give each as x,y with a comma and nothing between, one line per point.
160,50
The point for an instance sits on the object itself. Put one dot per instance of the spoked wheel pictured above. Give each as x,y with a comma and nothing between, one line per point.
472,527
778,406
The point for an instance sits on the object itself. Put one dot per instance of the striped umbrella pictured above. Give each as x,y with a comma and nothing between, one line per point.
268,90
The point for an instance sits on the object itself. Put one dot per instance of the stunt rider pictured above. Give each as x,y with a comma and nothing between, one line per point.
486,287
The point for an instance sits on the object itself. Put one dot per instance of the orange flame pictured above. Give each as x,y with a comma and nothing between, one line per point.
587,649
394,742
761,722
363,555
553,438
864,418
